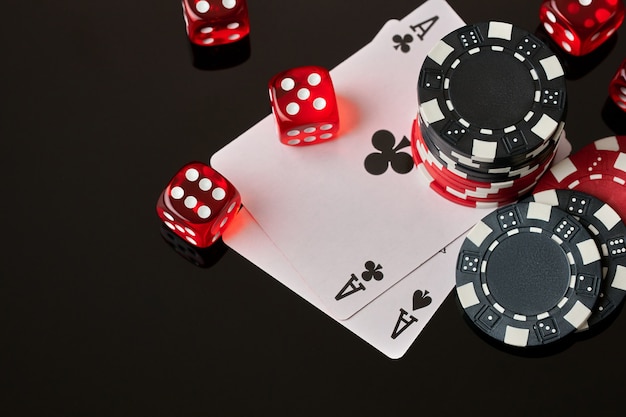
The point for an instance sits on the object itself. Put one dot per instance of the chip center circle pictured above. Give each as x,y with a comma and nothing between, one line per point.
492,89
528,274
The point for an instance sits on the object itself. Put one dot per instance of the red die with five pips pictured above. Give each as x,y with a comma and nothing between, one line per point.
198,204
580,26
305,106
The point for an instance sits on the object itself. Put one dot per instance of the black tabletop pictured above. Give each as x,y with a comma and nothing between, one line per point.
101,103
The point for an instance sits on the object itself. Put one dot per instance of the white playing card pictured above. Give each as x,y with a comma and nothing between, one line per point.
350,234
392,322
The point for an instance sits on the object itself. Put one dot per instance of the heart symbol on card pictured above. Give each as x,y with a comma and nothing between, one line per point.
421,299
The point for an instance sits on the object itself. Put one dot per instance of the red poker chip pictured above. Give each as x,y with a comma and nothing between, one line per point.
439,189
467,189
456,171
598,169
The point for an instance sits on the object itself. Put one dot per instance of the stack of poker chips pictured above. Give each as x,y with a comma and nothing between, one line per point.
536,271
492,101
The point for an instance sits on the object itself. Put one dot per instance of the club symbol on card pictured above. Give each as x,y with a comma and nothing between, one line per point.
377,163
421,299
372,270
354,285
402,42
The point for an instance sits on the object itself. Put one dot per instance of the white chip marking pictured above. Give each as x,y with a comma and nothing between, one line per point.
168,216
326,136
619,281
310,139
620,162
431,112
545,127
309,130
234,36
577,315
549,197
607,216
500,30
233,25
483,150
229,4
467,295
293,141
294,132
191,240
515,336
206,29
479,233
552,67
607,144
326,127
589,251
440,52
170,225
563,169
539,211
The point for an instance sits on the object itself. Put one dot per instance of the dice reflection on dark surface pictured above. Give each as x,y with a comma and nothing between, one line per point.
222,56
614,117
617,86
200,257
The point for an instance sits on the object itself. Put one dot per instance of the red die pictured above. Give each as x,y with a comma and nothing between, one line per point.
304,104
617,88
198,203
580,26
216,22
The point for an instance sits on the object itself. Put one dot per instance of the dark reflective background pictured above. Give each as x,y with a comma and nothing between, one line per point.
101,103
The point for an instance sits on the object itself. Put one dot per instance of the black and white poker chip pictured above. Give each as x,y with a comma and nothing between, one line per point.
528,274
609,232
493,92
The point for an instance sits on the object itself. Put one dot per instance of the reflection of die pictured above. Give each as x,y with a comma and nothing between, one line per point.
617,88
305,106
198,203
580,26
216,22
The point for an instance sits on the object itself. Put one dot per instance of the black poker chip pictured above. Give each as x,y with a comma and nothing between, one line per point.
609,232
528,274
478,172
492,91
